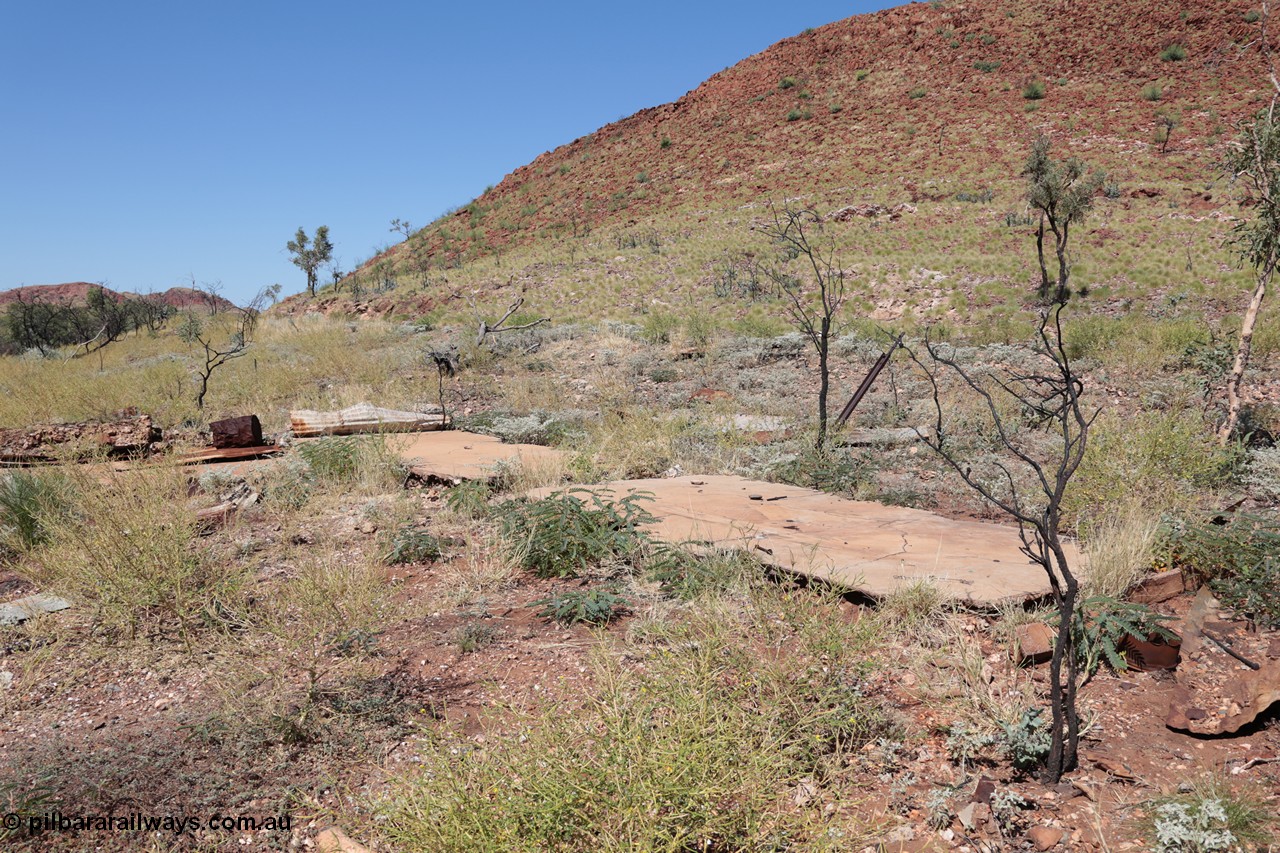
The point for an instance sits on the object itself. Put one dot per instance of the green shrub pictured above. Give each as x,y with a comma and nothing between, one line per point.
692,751
665,143
469,499
1252,16
1211,816
918,92
596,606
664,374
688,577
127,550
1034,90
475,636
567,532
1160,458
861,74
412,545
1101,625
986,66
29,503
788,83
352,461
1208,550
1173,53
1029,740
1254,592
1152,92
658,326
799,114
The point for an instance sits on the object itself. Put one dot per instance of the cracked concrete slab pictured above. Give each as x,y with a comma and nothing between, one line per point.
865,546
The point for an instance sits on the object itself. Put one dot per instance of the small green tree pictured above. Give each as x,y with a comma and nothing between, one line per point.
813,305
309,255
1063,192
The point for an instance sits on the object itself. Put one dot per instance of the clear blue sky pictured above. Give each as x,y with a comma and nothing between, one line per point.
147,142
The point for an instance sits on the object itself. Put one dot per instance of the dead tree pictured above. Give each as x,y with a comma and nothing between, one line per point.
1051,397
216,353
813,308
500,326
1254,160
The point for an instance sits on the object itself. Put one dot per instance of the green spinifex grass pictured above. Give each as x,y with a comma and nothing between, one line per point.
702,748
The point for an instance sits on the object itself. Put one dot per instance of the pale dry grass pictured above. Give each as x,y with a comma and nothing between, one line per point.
1119,549
126,550
483,568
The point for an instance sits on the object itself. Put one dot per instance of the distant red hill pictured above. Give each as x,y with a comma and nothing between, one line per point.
77,293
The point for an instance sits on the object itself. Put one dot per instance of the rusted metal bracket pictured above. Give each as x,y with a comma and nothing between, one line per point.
867,382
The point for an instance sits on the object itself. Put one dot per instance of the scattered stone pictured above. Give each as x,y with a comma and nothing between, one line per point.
334,840
1045,837
1158,588
6,679
1033,644
22,609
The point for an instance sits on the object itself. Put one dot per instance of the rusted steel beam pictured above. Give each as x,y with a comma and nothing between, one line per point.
867,382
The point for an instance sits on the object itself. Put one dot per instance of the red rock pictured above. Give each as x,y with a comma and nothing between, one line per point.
1045,837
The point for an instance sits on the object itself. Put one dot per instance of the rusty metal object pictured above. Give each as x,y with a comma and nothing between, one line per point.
1153,653
131,434
364,418
228,454
867,382
244,431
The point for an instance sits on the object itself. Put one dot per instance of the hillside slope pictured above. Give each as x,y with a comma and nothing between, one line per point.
933,105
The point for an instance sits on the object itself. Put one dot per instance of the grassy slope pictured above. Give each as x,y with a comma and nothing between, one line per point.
643,213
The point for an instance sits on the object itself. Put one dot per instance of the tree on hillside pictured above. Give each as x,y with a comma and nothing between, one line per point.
815,296
309,256
1063,192
1254,160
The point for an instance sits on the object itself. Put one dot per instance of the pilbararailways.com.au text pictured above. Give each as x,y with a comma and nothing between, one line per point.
56,821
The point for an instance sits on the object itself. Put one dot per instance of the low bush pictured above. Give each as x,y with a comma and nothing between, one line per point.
596,606
1152,92
1173,53
412,545
697,750
126,547
1211,816
29,504
568,532
1102,625
1034,90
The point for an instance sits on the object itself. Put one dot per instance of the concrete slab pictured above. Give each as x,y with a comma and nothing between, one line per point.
22,609
455,455
865,546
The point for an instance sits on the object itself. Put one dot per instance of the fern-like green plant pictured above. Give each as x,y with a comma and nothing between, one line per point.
566,532
595,606
1101,625
411,545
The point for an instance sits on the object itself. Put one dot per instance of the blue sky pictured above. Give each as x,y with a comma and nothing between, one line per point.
146,143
